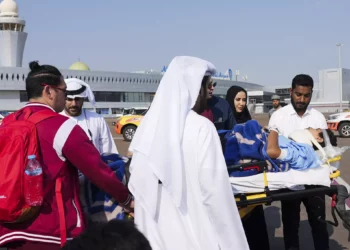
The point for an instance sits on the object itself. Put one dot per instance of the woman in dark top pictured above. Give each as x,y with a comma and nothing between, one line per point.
254,224
237,98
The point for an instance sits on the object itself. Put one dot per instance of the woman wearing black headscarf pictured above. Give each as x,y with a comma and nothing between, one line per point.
237,98
255,224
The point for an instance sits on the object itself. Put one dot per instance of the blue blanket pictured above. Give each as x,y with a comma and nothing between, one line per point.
98,205
248,143
244,143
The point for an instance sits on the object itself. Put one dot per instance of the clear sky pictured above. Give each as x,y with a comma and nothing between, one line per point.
269,40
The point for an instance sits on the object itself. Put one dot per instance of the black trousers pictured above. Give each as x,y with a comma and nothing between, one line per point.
315,208
255,230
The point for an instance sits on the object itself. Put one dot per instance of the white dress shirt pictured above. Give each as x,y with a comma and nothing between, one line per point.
96,129
286,120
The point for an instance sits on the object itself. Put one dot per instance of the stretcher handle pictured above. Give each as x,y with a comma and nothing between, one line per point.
260,166
334,159
286,194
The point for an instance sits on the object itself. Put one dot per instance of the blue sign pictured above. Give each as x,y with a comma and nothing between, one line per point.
230,74
221,75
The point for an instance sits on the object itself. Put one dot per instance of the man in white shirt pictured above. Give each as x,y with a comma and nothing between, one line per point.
92,123
298,115
179,176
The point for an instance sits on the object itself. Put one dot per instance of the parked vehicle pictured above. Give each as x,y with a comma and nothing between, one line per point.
131,111
127,125
340,122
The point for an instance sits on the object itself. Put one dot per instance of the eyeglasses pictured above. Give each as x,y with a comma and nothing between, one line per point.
54,87
211,85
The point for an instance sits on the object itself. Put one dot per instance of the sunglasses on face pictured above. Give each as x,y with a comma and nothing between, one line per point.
56,88
212,85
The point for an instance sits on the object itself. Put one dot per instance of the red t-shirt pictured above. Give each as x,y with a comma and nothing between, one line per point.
208,114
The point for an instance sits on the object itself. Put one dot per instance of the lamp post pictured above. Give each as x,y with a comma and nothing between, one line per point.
339,45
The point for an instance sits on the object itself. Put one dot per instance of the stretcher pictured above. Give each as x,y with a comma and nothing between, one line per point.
246,202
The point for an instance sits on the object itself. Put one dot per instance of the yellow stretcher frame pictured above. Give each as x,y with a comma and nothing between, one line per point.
245,210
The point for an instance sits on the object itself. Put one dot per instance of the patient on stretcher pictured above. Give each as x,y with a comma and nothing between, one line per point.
249,143
292,162
299,151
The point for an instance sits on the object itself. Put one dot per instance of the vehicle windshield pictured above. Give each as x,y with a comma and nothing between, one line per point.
140,112
133,111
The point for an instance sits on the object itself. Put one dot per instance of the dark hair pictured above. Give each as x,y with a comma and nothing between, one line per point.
332,139
204,81
113,235
38,75
303,80
201,102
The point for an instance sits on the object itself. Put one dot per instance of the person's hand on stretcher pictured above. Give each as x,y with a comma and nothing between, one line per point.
129,209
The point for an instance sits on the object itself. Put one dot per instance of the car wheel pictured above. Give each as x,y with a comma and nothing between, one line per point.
128,132
344,129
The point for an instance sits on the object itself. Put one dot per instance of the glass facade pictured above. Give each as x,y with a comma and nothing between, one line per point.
104,96
283,93
107,96
260,99
116,111
102,111
23,96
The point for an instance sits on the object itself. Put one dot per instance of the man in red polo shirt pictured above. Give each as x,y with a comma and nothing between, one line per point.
65,149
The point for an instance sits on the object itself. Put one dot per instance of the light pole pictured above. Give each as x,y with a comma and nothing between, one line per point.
339,45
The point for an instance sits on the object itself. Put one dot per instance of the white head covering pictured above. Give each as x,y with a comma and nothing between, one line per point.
157,143
81,89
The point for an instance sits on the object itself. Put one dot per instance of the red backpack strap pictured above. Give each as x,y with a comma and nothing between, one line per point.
41,115
61,213
57,184
10,118
28,115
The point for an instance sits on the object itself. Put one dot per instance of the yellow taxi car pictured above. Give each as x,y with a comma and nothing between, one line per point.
127,125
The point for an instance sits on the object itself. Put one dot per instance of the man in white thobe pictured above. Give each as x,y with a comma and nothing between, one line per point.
179,179
98,132
93,124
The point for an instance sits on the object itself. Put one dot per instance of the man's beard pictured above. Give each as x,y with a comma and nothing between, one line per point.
275,106
76,112
297,106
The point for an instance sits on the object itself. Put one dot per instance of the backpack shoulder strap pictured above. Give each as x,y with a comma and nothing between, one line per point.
41,115
8,119
34,118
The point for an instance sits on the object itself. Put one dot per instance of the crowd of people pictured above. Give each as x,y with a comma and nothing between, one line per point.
179,191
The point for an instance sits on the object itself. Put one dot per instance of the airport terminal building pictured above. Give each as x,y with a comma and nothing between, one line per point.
113,90
117,90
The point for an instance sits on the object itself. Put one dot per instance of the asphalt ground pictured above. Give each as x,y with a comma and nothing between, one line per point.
339,236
